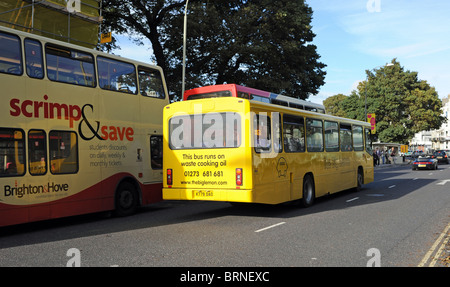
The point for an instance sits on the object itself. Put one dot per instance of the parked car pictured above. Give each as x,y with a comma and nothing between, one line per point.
425,163
441,156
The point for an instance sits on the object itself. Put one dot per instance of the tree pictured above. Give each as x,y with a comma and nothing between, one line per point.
334,105
258,43
403,104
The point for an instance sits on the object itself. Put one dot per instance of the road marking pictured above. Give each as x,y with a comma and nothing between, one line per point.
438,253
443,182
268,227
392,186
415,178
352,199
433,248
375,194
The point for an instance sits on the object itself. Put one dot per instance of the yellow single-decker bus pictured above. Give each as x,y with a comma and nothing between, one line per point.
239,150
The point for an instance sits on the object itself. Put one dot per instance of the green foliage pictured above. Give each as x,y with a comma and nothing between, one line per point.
333,105
258,43
403,104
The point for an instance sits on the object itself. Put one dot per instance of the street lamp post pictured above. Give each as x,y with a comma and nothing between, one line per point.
184,49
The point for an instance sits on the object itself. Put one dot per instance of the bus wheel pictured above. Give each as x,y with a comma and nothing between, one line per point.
308,191
126,199
359,180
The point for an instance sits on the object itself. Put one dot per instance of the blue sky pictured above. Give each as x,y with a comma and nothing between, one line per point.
355,35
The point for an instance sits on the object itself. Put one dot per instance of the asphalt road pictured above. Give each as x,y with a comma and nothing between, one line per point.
401,219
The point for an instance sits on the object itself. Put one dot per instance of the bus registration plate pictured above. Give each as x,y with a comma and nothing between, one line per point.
202,193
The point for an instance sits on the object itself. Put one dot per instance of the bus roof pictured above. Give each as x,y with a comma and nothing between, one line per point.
255,93
285,109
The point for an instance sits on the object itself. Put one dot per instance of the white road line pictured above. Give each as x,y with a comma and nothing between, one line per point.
392,186
415,178
268,227
433,248
352,199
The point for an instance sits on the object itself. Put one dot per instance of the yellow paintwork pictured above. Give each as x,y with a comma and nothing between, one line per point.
267,177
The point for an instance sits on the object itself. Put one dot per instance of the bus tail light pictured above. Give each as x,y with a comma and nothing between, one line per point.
169,177
238,176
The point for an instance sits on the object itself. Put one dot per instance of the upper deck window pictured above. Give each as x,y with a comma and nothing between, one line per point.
70,66
218,94
150,83
33,59
10,54
116,75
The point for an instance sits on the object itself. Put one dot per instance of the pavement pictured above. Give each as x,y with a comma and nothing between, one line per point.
397,161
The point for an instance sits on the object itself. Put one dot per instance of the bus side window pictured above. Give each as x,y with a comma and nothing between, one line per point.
63,152
37,152
10,54
69,66
294,133
261,127
331,136
156,146
276,127
116,75
346,137
33,59
314,135
368,141
150,83
12,152
358,143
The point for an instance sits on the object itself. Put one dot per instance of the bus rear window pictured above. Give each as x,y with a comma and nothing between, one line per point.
218,94
211,130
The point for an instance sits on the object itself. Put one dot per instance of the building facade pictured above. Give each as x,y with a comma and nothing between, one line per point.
429,141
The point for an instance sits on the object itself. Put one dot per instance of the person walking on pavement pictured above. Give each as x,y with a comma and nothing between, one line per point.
378,156
393,155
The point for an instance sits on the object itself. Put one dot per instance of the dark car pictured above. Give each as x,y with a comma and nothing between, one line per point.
425,163
441,156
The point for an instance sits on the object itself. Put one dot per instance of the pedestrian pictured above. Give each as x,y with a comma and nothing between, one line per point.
383,159
393,155
375,158
378,156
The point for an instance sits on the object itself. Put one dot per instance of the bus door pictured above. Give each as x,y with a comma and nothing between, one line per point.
156,146
347,172
272,182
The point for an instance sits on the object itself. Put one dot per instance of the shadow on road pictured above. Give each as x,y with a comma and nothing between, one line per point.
177,212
